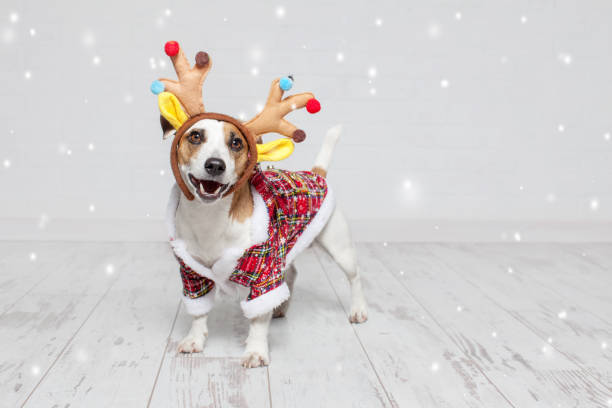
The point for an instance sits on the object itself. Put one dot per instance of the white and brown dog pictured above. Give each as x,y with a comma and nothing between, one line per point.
233,226
212,156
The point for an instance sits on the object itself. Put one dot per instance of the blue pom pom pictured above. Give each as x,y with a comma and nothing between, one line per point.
157,87
286,83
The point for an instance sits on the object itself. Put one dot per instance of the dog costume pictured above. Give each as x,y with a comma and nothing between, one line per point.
290,208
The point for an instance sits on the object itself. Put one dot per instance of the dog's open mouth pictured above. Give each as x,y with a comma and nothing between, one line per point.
207,189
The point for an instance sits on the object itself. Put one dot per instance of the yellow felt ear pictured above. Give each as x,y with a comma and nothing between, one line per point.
170,108
275,150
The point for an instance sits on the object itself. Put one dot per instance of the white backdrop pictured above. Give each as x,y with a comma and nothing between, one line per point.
479,113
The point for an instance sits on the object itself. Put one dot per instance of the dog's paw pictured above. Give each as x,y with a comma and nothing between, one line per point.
359,314
192,344
254,359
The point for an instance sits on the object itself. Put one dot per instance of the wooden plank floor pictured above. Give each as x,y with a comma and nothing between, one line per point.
451,325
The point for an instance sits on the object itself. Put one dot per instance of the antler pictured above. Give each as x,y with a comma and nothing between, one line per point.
188,88
270,119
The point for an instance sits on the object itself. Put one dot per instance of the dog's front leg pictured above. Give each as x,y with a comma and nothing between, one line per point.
256,352
194,341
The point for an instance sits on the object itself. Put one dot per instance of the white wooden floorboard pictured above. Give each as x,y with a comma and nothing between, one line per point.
512,358
417,363
316,359
114,358
213,378
38,328
72,334
578,334
573,275
598,253
23,266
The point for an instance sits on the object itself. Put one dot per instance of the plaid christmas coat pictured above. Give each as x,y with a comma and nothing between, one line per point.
297,207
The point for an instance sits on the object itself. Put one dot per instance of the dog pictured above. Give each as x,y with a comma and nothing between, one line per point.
212,157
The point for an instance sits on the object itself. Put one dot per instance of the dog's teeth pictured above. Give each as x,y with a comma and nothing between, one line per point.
202,188
218,188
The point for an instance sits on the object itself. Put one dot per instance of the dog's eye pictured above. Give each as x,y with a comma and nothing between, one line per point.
195,137
236,144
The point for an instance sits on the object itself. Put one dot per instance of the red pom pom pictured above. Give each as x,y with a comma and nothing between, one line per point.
171,48
313,106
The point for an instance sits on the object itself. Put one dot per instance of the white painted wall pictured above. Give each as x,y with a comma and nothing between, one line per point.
488,147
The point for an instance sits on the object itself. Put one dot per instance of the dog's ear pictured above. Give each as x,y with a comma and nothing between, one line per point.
167,128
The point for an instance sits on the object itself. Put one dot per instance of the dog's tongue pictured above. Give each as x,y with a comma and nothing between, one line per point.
210,186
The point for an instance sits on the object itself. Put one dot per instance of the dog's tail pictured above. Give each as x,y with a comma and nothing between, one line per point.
325,154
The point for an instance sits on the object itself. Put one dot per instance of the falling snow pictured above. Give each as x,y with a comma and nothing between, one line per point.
434,31
280,12
565,58
43,220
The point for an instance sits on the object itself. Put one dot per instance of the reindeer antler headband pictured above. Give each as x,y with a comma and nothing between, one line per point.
181,104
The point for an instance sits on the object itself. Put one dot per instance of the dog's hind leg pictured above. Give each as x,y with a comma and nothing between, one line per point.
336,239
290,274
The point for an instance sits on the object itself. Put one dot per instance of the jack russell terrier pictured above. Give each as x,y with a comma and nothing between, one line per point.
235,227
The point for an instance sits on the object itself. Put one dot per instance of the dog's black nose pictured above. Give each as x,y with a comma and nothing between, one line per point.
214,167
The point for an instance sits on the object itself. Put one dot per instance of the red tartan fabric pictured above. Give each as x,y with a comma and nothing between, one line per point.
194,285
292,200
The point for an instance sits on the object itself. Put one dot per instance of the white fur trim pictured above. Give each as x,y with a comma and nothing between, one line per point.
266,302
314,227
199,306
